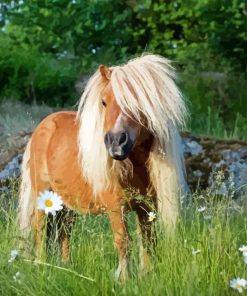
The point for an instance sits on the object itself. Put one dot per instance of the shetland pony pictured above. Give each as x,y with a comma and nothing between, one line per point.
124,135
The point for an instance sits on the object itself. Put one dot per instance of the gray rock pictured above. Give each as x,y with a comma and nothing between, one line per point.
204,157
191,147
12,169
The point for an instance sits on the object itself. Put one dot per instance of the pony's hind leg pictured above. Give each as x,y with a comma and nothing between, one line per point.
50,230
43,226
65,224
38,223
121,241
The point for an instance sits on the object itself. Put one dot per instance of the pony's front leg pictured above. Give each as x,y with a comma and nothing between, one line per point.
147,240
121,241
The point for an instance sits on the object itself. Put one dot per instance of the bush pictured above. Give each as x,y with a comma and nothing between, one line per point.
28,75
46,46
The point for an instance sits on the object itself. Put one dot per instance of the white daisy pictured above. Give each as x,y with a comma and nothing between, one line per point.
17,276
151,216
243,249
238,284
13,255
194,252
201,209
49,202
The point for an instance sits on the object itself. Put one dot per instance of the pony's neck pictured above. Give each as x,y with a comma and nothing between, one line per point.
140,152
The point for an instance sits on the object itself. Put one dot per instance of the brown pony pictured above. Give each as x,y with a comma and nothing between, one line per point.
124,135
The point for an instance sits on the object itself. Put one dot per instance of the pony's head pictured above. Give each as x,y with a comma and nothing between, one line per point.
119,105
121,130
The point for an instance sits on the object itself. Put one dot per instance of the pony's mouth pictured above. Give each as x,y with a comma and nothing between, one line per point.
119,157
120,153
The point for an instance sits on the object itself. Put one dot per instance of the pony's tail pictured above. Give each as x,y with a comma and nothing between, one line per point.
168,176
26,202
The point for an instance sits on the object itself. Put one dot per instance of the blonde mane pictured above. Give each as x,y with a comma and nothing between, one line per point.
144,88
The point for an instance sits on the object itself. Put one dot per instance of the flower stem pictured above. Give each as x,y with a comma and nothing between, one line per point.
60,268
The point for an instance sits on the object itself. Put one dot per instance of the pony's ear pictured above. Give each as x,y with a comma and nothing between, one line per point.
105,71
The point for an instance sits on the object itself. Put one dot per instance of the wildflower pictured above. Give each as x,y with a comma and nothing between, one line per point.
13,255
17,276
49,202
151,216
194,252
201,197
238,284
201,209
243,249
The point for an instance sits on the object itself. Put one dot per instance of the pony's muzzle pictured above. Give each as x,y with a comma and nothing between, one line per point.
118,145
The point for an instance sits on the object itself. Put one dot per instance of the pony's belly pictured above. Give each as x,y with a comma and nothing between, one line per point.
78,196
83,201
79,200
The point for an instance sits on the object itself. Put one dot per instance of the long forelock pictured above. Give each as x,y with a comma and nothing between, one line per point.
145,88
98,169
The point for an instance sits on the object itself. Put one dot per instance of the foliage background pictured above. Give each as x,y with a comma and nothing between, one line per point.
46,46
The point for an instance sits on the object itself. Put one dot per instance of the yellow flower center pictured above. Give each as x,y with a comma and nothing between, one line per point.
48,203
238,286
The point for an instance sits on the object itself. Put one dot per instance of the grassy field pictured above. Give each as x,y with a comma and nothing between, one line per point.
201,259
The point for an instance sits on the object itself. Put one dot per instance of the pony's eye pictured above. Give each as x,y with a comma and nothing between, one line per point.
103,103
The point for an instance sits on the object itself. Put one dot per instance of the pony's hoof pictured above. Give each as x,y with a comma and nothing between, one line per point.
65,259
146,269
146,264
121,274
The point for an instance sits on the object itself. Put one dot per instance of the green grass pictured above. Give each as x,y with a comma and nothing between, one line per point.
217,105
176,270
211,124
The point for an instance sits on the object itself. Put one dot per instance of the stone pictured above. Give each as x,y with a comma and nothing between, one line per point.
205,158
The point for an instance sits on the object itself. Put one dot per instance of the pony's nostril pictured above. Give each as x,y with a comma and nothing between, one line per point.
108,139
123,138
117,139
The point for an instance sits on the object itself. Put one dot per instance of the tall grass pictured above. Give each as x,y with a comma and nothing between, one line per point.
216,233
211,124
216,100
